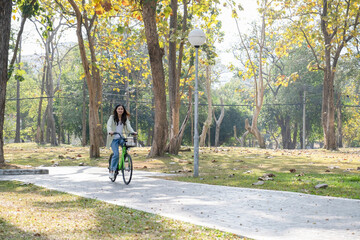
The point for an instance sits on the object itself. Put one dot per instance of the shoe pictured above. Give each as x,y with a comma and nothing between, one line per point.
111,175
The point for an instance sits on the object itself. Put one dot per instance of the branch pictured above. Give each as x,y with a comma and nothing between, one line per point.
11,65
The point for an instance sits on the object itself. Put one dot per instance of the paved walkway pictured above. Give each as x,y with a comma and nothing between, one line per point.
258,214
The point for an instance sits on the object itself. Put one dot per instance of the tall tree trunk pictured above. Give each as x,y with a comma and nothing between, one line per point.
18,120
339,122
83,116
18,117
40,129
328,106
218,123
92,75
51,130
258,80
208,120
157,70
174,77
173,83
5,25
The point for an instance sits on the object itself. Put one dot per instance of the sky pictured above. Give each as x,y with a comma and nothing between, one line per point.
229,27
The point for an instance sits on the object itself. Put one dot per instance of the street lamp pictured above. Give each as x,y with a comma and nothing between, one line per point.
196,38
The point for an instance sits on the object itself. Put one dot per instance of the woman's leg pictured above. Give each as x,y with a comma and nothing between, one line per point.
115,158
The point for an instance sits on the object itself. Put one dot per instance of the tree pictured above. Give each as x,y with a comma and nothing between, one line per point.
86,19
218,122
49,35
174,76
255,66
208,120
28,8
328,27
158,77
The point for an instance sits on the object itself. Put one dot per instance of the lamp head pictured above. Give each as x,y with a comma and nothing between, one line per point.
197,37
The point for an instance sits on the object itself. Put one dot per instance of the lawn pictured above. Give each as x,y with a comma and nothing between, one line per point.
294,170
31,212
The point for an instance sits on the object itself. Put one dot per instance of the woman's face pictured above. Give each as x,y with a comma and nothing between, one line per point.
120,110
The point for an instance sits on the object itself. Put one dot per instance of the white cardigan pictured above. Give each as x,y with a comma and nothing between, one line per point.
111,127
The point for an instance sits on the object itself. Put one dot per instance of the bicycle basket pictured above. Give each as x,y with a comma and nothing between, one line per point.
131,142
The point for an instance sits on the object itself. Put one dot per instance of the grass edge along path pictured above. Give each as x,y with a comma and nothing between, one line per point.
294,170
31,212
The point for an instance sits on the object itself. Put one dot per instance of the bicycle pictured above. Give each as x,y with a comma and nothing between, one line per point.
125,162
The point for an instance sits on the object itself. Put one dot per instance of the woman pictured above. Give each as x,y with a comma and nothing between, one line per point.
118,122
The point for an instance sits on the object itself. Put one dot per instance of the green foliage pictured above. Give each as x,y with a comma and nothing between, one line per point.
29,8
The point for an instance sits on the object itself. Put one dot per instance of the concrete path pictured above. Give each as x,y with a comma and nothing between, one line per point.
258,214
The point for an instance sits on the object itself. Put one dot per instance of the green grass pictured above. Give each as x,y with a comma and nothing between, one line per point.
31,212
238,167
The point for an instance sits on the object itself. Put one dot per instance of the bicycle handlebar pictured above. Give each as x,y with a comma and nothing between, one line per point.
120,134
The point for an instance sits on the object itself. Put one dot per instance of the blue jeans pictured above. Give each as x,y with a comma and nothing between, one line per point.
115,148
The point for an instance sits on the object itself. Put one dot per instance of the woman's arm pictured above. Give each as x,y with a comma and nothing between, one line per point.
128,127
109,124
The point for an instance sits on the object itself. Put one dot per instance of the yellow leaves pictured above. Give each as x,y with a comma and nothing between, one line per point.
99,9
116,8
82,76
137,15
285,81
234,14
146,74
167,11
125,3
14,17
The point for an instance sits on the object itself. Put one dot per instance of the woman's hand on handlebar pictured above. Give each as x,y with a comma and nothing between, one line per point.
111,133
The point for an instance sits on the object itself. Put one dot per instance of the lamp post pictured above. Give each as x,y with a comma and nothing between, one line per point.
196,38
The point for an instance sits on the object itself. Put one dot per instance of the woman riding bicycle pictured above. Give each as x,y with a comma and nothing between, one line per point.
118,122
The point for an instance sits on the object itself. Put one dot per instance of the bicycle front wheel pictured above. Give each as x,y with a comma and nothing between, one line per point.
127,169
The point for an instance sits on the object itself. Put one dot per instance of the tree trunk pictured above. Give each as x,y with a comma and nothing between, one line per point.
258,80
150,136
328,106
50,93
174,77
92,75
285,127
242,139
17,131
208,120
173,81
83,117
5,25
218,123
40,130
339,122
175,142
18,117
158,77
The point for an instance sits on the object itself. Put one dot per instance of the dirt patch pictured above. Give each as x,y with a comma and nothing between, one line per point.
14,166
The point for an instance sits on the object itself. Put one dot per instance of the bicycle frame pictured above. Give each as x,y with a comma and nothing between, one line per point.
122,159
125,167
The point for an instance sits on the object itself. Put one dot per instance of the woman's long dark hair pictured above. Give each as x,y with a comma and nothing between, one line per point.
124,116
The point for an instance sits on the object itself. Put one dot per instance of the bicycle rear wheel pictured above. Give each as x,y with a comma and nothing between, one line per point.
127,169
